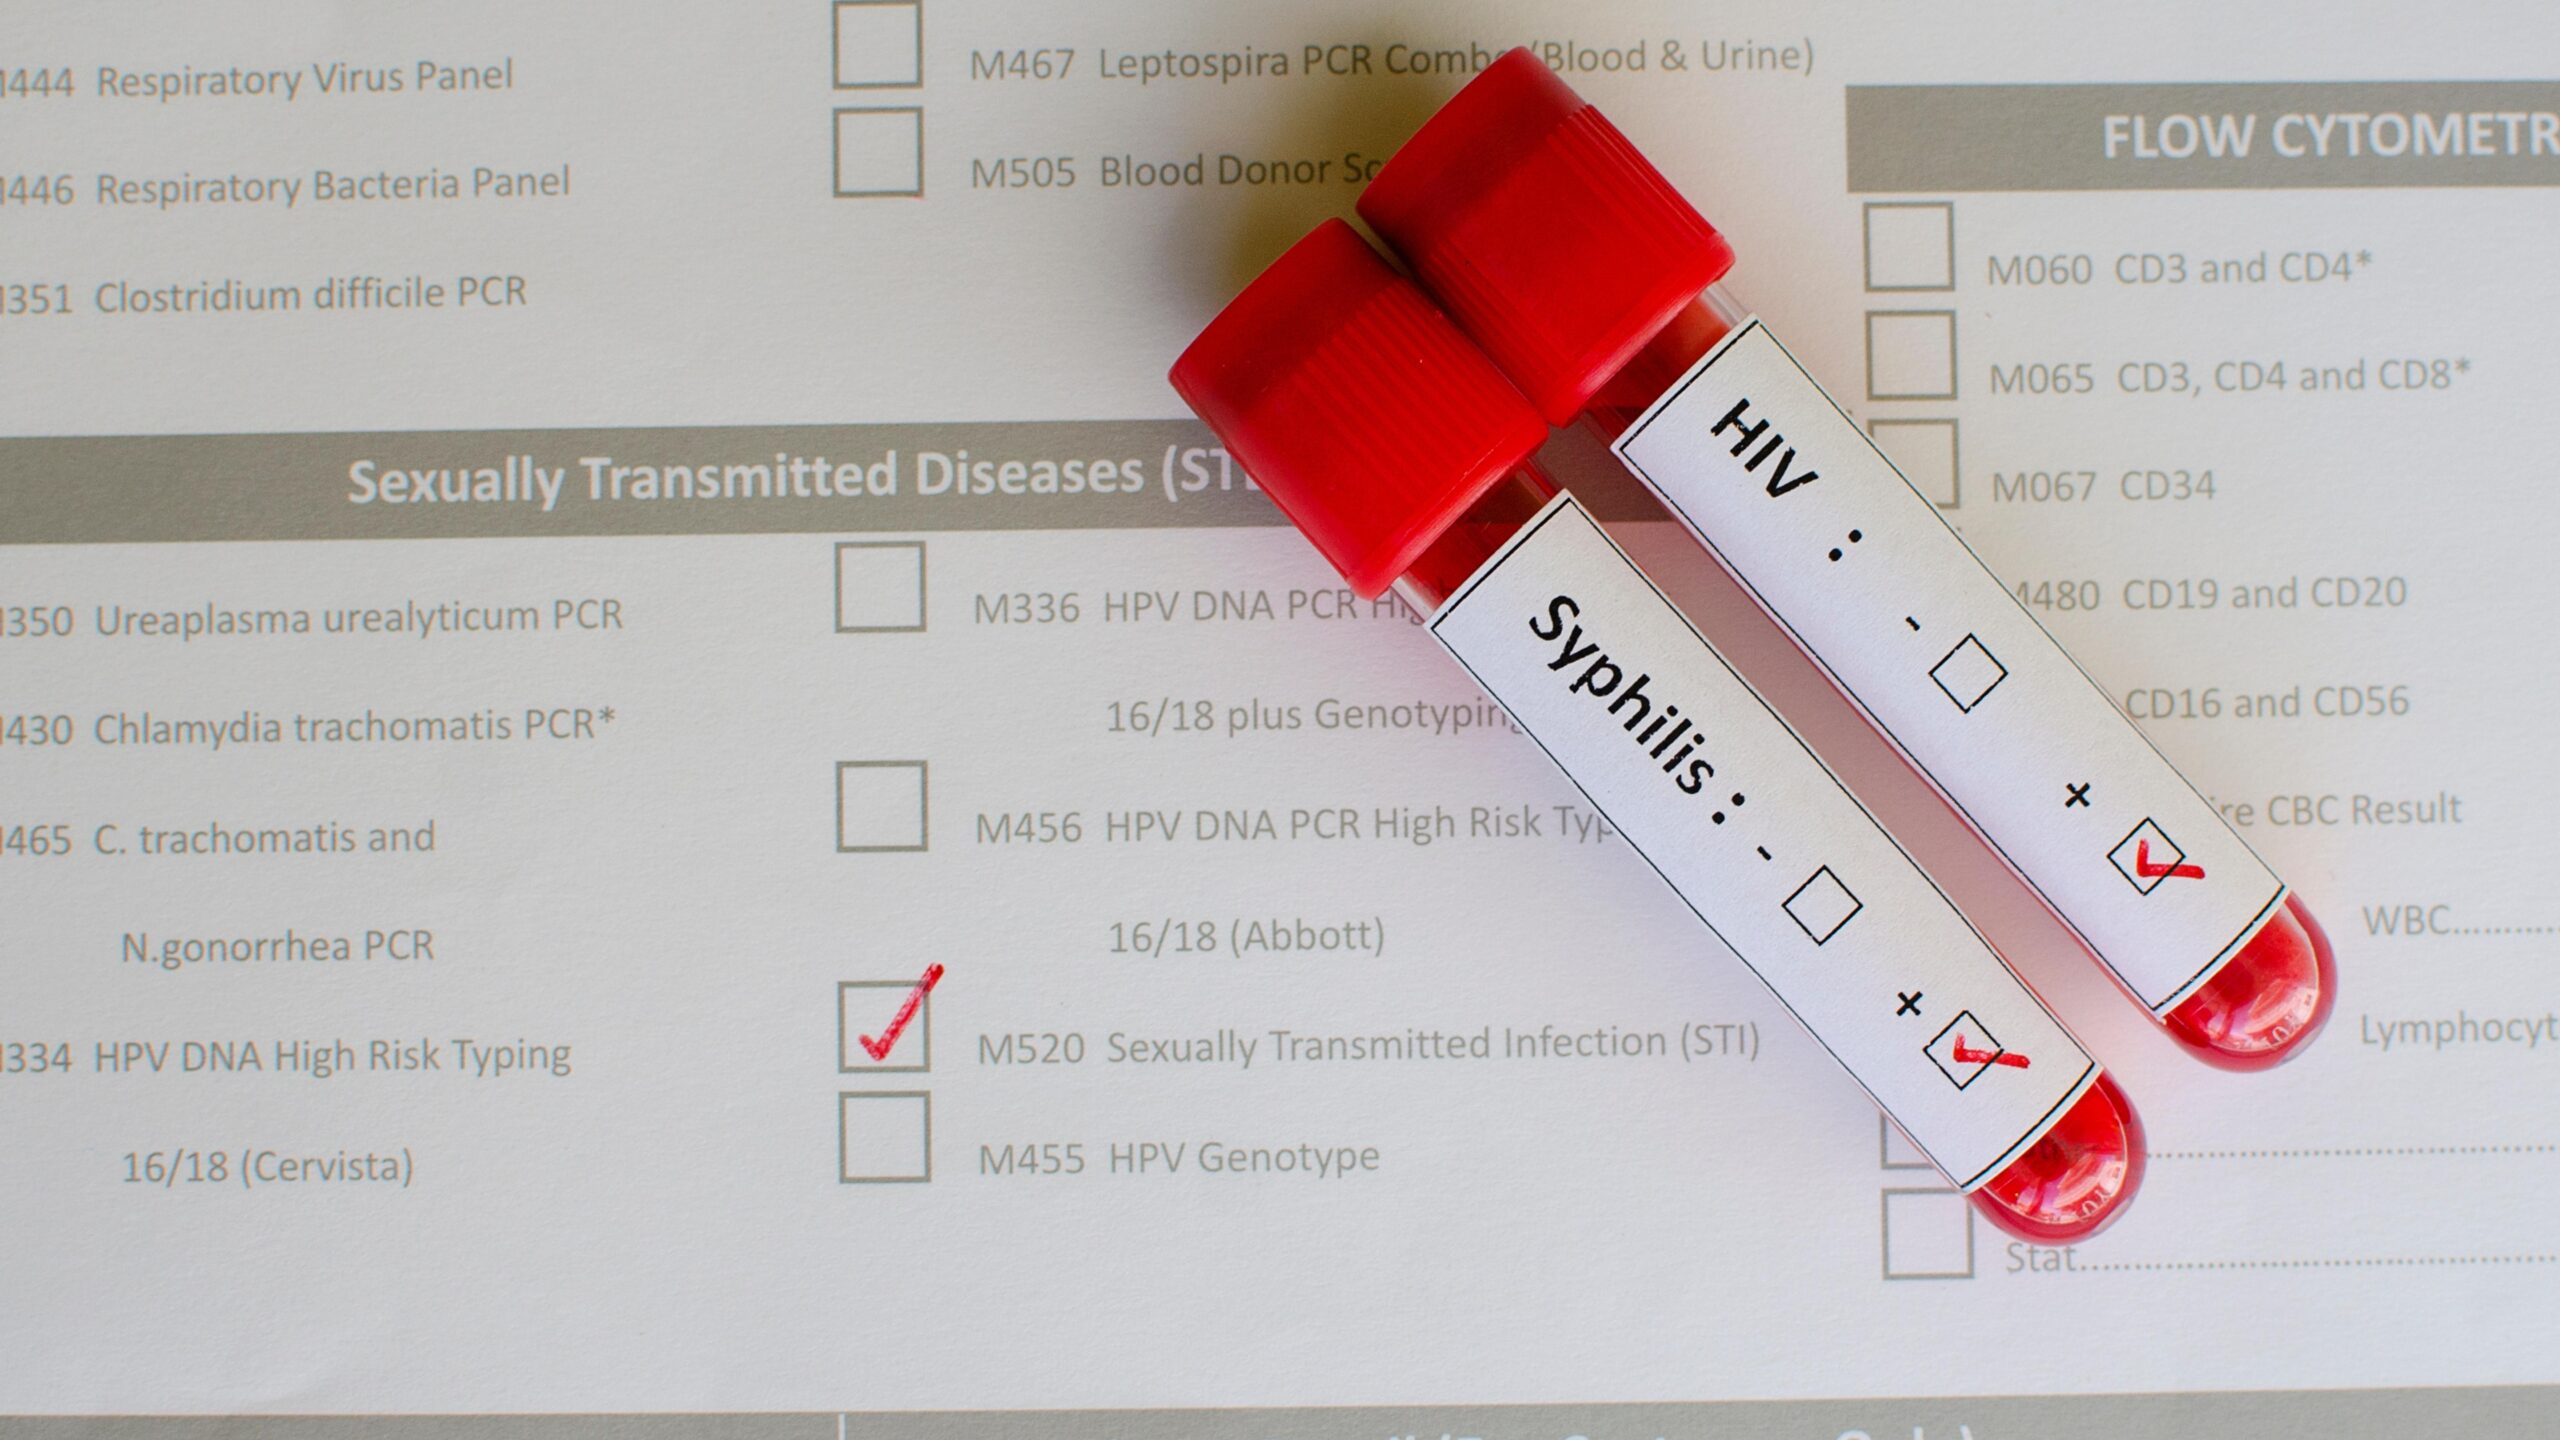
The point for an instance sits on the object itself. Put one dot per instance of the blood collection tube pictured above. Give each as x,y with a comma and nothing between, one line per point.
1597,289
1404,455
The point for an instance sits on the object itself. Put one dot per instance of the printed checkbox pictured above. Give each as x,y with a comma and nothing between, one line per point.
1968,1035
880,805
1928,1235
1821,905
1911,354
1894,1150
1925,452
879,586
2147,856
866,1009
1968,673
879,44
884,1137
880,152
1911,245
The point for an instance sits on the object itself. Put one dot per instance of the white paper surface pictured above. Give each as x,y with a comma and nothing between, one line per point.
695,766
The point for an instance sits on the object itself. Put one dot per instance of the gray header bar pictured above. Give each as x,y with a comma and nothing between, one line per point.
723,480
2204,1415
1907,138
417,485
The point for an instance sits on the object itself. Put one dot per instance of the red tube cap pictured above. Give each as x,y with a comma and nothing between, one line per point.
1557,246
1355,404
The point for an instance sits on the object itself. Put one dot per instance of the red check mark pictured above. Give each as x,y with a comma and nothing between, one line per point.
878,1049
1967,1055
2143,867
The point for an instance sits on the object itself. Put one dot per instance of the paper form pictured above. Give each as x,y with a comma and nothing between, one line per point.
554,561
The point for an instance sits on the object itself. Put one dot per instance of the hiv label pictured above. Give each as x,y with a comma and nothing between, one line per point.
1726,804
1802,508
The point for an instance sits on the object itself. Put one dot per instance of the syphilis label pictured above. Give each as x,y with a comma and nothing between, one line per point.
1726,804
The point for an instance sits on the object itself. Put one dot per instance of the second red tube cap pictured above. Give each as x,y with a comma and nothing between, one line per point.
1557,246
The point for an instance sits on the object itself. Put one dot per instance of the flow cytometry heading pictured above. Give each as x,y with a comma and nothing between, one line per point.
2244,135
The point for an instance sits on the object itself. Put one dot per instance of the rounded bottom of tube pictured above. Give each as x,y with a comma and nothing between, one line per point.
2077,1179
2261,1009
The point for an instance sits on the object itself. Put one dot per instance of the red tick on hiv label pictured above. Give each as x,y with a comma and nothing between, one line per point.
1798,503
1722,799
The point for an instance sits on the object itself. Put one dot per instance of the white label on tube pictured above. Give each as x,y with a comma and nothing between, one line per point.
1839,548
1722,799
